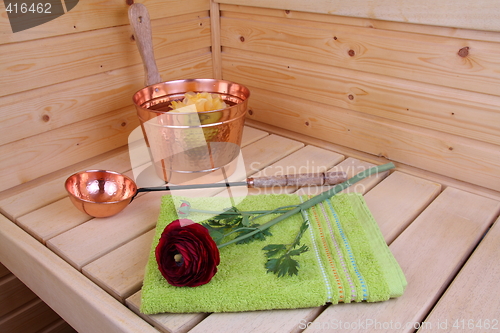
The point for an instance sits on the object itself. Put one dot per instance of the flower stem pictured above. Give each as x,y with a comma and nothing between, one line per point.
314,201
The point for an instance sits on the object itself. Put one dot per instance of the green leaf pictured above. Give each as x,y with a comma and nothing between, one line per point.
272,265
273,249
216,235
300,250
288,266
245,221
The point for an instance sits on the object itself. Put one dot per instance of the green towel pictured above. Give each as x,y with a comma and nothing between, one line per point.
348,261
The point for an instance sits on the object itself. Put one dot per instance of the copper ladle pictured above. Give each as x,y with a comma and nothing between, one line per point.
103,193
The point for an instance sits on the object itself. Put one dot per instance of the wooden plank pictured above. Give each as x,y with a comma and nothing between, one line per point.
93,239
215,33
94,14
413,194
443,109
33,157
430,251
169,323
35,211
64,58
446,154
481,15
28,319
80,302
250,135
121,272
447,61
431,176
58,105
3,271
50,191
13,294
59,326
351,166
55,218
471,302
489,36
291,320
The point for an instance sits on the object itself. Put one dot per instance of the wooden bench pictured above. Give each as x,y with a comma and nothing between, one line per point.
334,87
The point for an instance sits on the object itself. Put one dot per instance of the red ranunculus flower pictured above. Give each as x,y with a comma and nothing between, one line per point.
186,254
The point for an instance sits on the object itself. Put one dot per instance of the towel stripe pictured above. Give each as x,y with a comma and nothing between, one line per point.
328,286
347,274
329,254
349,251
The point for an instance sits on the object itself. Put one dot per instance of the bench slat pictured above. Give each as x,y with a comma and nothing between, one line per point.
91,240
430,251
277,321
472,296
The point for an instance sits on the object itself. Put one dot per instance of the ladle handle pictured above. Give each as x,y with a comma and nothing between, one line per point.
141,27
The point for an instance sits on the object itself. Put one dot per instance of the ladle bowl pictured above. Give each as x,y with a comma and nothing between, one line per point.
100,193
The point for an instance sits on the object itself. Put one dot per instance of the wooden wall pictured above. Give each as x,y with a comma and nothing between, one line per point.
66,86
422,95
66,95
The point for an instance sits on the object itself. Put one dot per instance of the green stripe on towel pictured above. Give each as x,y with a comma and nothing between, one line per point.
347,261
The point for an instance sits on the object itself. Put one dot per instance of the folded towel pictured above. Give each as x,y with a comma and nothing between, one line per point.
348,261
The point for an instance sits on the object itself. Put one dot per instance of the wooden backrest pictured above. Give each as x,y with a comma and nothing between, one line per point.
425,93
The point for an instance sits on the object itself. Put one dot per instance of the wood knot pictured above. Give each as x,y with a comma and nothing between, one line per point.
351,53
463,52
287,12
242,39
250,112
129,2
45,118
123,124
350,96
307,123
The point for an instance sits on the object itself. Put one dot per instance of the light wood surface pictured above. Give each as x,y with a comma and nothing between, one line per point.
469,303
430,251
444,180
121,272
88,96
215,32
443,228
417,57
446,154
480,15
52,190
93,15
65,57
439,109
69,144
66,290
436,30
412,195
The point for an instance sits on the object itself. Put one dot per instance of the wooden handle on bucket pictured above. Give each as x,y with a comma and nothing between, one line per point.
141,27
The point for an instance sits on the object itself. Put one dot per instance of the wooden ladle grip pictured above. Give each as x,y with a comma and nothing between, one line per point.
141,27
304,179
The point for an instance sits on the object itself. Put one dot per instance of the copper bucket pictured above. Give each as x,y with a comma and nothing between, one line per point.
186,145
